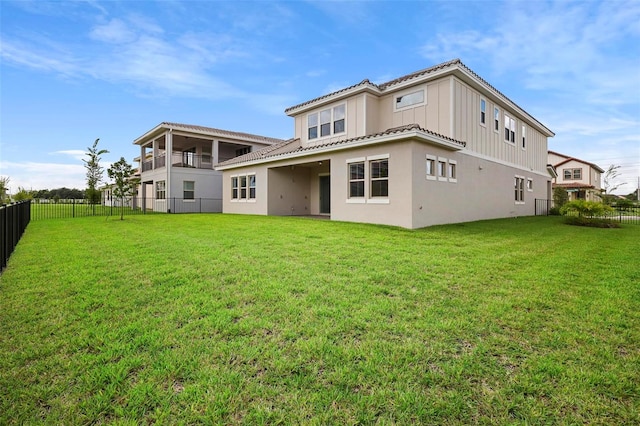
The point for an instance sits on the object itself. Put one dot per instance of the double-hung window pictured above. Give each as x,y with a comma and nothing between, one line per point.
496,119
431,167
368,179
243,187
252,186
356,179
161,190
524,137
483,111
380,178
234,188
330,121
519,189
188,190
509,129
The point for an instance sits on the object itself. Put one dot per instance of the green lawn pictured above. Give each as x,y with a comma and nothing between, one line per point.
223,319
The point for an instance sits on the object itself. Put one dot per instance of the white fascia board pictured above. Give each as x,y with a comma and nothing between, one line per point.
364,88
158,130
415,134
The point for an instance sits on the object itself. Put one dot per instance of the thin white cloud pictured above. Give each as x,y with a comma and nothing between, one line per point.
40,175
75,153
136,50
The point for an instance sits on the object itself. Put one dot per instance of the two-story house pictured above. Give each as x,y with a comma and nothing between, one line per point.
176,165
440,145
580,178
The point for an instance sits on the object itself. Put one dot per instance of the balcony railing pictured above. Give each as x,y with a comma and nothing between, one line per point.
180,159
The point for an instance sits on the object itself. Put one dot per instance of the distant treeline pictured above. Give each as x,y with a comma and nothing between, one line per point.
58,194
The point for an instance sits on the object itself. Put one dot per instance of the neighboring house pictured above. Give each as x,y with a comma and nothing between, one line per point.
176,169
440,145
580,178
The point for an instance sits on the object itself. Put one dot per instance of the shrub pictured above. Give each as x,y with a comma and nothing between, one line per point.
554,211
588,213
560,196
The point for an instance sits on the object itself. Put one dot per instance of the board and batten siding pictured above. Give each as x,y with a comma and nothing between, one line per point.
434,114
484,140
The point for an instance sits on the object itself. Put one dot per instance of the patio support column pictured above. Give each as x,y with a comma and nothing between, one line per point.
142,157
214,150
168,160
154,148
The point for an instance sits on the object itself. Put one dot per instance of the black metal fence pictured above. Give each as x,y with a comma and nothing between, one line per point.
60,209
14,219
622,213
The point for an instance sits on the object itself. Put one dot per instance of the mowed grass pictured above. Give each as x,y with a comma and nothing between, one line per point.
222,319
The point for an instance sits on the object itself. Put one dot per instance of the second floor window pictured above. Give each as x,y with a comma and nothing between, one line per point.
483,111
330,121
509,129
496,119
572,174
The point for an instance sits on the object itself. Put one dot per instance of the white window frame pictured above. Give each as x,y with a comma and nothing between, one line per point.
161,188
357,198
368,198
379,178
441,170
452,171
483,112
524,137
336,113
244,189
185,190
409,99
431,159
519,189
496,119
529,184
510,127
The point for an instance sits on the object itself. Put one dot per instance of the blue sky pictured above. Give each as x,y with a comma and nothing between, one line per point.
74,71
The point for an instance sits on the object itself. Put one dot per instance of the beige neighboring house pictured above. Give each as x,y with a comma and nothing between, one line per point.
176,165
580,178
440,145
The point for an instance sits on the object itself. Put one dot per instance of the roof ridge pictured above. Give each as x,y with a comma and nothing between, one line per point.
217,130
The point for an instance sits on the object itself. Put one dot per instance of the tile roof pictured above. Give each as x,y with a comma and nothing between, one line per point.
568,159
208,131
293,145
574,185
203,129
381,88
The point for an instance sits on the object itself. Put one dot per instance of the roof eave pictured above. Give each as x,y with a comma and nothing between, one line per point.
413,134
333,97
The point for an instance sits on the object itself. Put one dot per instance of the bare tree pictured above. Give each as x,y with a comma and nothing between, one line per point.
610,184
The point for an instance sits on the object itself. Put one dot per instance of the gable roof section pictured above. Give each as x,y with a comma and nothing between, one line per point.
207,131
293,149
454,67
568,159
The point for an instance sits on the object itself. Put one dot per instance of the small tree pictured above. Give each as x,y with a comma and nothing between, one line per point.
94,172
124,185
4,188
560,197
23,194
